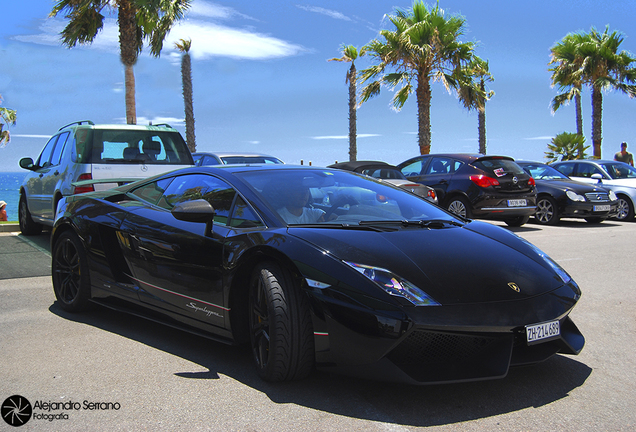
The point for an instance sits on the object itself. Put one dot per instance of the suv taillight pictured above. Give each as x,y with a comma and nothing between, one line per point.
484,181
84,189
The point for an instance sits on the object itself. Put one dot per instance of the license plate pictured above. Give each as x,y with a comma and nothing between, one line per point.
536,333
517,203
601,208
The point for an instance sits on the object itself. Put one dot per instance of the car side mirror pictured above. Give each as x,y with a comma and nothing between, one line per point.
198,210
598,177
27,163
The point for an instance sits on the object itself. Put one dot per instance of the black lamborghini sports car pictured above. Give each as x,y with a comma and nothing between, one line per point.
316,268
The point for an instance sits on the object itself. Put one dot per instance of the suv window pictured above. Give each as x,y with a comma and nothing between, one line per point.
59,147
45,156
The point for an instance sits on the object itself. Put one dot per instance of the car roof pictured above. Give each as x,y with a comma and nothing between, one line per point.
226,154
353,165
466,157
90,125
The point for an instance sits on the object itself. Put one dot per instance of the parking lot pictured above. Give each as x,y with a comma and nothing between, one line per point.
117,372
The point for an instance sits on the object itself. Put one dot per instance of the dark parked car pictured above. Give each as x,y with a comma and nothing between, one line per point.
474,185
316,267
228,158
559,196
618,177
390,174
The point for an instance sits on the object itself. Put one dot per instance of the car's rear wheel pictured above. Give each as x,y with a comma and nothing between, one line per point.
27,225
460,206
280,325
69,270
547,212
625,209
517,221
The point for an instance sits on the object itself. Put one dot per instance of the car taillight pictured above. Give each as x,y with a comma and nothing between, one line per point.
432,194
84,189
484,181
531,181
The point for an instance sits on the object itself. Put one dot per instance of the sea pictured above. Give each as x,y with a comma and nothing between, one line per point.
10,192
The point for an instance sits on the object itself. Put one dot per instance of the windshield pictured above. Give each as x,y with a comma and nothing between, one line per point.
323,196
543,172
619,170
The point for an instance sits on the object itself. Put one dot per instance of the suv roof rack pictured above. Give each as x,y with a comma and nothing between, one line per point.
77,123
162,124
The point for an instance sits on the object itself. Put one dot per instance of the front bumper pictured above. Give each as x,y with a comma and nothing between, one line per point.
440,344
588,210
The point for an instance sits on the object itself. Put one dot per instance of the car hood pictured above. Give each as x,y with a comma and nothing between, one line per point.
457,265
574,185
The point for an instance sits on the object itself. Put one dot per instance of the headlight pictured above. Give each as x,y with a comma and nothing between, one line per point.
574,196
612,196
395,285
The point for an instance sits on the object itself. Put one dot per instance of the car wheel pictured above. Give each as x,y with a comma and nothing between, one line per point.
595,220
27,226
625,209
69,270
460,206
547,212
280,325
517,221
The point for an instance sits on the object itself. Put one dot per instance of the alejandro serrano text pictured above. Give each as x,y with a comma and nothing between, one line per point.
77,406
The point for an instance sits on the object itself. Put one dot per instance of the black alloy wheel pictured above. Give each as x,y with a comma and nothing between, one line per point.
547,212
69,270
27,226
281,333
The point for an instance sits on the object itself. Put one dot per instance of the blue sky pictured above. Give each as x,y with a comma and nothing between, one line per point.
262,81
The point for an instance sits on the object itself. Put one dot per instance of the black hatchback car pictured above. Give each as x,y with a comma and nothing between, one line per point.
476,186
559,196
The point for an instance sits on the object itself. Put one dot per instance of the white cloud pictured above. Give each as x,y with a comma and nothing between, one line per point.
327,12
343,137
539,138
208,38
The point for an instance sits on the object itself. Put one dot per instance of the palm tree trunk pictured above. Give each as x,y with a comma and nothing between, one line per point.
186,76
129,49
353,147
424,112
597,119
579,115
481,120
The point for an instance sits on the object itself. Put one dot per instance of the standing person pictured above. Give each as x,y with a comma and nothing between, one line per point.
3,211
624,155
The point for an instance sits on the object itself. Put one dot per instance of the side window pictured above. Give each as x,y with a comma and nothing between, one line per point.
441,165
152,192
243,216
567,169
586,170
414,168
200,186
45,157
59,147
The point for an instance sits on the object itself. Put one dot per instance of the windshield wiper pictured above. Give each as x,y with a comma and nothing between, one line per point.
343,225
432,223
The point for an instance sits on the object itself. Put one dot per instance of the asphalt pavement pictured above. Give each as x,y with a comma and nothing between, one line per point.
105,371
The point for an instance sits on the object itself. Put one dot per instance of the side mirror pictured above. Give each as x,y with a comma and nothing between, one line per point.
194,211
27,163
598,177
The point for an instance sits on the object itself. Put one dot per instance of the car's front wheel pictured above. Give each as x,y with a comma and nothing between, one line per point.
547,212
69,271
280,325
625,209
27,225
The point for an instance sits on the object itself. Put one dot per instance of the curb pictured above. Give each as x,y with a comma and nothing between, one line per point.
10,227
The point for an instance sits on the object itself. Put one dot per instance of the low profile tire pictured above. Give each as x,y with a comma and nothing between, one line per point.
460,206
547,212
281,334
69,270
517,221
27,226
625,209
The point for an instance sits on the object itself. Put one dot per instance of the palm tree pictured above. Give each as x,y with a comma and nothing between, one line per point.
603,68
473,95
186,79
350,54
139,20
566,76
8,116
424,47
566,146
